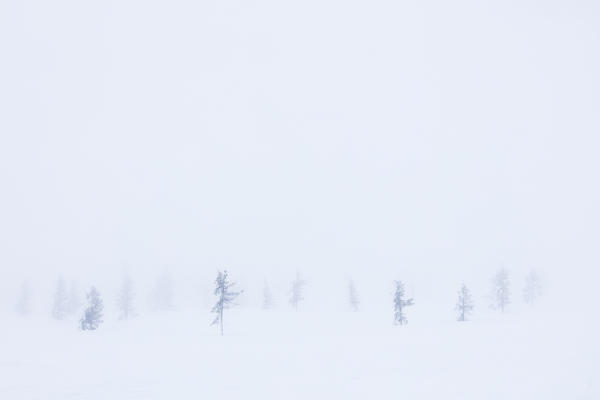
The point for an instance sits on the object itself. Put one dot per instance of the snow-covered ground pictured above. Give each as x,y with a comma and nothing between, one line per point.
528,354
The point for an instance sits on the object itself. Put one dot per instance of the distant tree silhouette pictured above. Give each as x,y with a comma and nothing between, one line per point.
267,297
353,296
500,290
296,292
59,310
533,287
125,299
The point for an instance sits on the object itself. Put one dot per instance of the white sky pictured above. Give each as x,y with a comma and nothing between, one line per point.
396,139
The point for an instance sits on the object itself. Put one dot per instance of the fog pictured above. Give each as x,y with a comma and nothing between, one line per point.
432,142
428,141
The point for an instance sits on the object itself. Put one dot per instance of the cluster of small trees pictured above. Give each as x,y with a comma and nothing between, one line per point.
68,303
500,293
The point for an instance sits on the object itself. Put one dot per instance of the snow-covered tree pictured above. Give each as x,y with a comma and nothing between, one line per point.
92,316
533,287
400,303
464,306
353,296
23,306
162,295
225,297
500,290
296,295
59,311
74,302
125,299
267,297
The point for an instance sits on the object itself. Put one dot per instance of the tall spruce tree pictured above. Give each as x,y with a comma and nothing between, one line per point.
400,304
296,292
464,306
225,298
92,316
500,293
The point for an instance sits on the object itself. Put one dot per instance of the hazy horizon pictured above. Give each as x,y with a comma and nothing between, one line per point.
403,140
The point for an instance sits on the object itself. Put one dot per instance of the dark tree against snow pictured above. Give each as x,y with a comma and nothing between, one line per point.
296,292
225,298
533,287
400,303
74,302
60,308
162,295
353,299
125,300
23,306
464,306
500,293
267,303
92,316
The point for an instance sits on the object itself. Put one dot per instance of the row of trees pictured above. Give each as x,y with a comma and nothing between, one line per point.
500,293
67,302
500,296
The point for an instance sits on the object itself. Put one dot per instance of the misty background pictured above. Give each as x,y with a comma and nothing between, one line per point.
427,141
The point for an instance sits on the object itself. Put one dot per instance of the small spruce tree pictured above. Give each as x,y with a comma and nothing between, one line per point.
225,298
400,303
92,316
464,306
